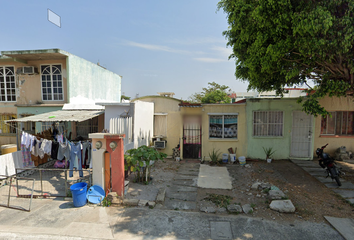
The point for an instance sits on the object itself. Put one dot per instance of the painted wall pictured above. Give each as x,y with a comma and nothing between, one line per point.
90,83
143,127
29,86
208,144
334,142
114,111
174,121
282,144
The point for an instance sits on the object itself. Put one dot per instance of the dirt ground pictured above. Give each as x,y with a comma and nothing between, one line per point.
312,199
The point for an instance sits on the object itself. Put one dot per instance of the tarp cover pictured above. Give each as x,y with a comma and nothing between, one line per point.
60,116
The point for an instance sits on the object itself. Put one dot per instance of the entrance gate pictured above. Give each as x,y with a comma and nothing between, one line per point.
192,137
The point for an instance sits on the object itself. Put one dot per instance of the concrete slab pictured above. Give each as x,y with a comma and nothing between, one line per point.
317,169
327,180
345,193
179,204
178,188
214,177
220,230
89,230
185,182
307,164
345,185
350,200
345,226
184,196
185,177
190,172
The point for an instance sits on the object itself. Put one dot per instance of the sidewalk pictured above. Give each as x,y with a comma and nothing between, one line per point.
57,219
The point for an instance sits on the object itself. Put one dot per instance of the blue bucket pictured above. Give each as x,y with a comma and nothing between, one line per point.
95,194
78,191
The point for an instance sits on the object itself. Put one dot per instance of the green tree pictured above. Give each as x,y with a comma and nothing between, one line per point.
124,97
214,93
279,43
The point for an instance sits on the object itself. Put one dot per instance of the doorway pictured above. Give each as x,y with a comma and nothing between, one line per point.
192,136
301,135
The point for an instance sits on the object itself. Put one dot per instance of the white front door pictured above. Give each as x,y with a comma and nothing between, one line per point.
301,135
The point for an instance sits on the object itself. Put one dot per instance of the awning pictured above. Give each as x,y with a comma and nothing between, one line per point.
60,116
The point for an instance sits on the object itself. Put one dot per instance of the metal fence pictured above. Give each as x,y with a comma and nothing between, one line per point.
49,182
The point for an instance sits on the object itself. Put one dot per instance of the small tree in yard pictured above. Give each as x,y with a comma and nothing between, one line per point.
286,42
214,93
139,160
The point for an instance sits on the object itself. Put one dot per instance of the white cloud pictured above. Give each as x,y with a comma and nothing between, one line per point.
210,60
155,47
224,51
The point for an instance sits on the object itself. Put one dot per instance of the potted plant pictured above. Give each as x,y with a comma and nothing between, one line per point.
268,152
214,157
139,160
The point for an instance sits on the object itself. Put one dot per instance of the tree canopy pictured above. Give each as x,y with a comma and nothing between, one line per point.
279,43
214,93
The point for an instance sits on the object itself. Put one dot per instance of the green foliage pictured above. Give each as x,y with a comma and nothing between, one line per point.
140,160
106,202
214,93
124,97
214,157
219,200
285,43
268,152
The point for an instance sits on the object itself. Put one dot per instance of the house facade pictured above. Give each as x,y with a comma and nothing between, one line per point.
39,81
336,130
280,124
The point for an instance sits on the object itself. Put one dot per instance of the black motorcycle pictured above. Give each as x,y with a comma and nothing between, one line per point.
328,163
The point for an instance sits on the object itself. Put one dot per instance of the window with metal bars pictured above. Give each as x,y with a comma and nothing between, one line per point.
52,82
338,123
89,126
7,84
267,123
223,126
6,128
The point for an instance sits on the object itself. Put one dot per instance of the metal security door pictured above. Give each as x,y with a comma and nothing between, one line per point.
192,137
301,135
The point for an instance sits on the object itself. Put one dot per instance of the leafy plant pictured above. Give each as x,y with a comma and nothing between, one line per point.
106,202
214,157
139,160
219,200
268,152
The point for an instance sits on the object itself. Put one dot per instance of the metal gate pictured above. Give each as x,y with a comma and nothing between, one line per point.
192,137
301,135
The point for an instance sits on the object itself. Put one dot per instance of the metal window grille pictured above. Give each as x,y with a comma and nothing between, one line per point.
223,126
268,123
340,123
7,128
52,82
89,126
7,84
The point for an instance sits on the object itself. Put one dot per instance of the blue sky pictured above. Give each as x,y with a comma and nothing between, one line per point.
156,45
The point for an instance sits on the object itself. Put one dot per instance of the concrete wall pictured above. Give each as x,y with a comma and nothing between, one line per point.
143,127
114,111
174,120
334,141
29,87
90,83
282,144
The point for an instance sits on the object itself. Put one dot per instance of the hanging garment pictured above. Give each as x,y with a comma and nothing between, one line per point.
60,138
64,151
47,146
23,138
29,140
26,154
39,148
54,152
86,146
34,149
75,152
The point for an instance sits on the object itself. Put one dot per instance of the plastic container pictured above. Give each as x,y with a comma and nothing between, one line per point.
242,160
225,157
95,194
232,158
78,191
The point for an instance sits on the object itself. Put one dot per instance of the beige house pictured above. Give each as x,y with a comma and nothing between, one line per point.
337,130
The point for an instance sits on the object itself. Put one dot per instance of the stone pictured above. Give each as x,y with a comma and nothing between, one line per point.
142,203
110,196
234,208
285,206
160,198
116,201
247,166
247,209
131,202
208,209
151,204
255,185
258,195
221,210
249,194
265,186
276,195
134,194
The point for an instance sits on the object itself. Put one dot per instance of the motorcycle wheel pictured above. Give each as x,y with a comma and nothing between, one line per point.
338,180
